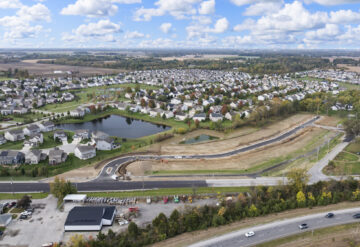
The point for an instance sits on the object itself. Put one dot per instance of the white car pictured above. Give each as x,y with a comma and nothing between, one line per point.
249,234
178,157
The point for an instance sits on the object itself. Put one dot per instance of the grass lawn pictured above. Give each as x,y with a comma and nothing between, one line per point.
2,78
343,157
166,192
17,196
49,141
353,147
16,210
349,86
18,145
310,238
26,118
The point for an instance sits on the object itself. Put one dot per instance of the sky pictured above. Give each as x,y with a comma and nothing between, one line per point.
239,24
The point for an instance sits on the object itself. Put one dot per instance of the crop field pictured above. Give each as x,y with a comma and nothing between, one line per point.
48,69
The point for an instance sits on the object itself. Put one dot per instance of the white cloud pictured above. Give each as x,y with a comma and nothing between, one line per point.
201,26
95,8
166,27
261,8
22,32
207,7
103,30
134,35
10,4
332,2
247,2
176,8
327,33
344,16
20,25
221,26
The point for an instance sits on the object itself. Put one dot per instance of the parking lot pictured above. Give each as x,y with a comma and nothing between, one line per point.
45,225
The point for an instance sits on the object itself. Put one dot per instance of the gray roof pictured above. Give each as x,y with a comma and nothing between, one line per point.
85,216
32,127
48,123
85,149
4,218
16,132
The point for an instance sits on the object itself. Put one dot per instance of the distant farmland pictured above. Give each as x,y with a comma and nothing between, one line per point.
48,69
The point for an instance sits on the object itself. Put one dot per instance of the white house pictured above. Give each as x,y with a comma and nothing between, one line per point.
77,113
84,152
105,144
181,116
14,135
47,126
31,130
199,117
215,117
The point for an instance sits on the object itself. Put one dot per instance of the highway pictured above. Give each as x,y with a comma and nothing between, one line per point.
280,229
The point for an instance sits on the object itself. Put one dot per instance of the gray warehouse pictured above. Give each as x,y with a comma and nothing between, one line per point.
89,218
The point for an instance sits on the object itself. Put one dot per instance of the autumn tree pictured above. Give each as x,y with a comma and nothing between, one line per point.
297,179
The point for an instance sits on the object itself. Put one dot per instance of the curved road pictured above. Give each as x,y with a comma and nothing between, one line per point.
280,229
105,182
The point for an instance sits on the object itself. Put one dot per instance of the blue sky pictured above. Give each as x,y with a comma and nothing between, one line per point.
180,24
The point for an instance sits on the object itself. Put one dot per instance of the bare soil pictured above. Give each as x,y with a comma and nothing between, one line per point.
238,162
189,238
328,121
237,139
35,68
349,67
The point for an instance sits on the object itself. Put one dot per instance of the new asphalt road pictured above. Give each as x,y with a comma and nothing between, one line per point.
280,229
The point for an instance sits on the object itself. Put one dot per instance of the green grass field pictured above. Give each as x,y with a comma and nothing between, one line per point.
349,86
18,145
168,192
17,196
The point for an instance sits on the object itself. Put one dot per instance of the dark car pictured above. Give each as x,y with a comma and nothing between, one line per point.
329,215
303,226
30,210
1,233
356,216
23,217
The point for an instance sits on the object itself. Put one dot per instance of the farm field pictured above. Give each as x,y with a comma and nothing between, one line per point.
48,69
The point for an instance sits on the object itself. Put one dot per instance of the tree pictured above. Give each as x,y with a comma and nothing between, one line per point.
60,188
300,198
133,230
24,202
297,178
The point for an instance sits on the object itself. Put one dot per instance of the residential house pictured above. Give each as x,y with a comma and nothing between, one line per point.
57,156
169,114
231,115
99,135
34,156
61,135
20,110
77,112
215,117
82,134
181,116
85,152
14,135
2,140
47,126
199,117
36,139
105,143
31,129
8,157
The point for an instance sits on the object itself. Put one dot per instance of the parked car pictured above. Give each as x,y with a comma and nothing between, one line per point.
303,226
356,216
249,234
329,215
1,233
13,204
23,217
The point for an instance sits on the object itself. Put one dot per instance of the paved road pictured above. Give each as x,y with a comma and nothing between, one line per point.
102,186
279,229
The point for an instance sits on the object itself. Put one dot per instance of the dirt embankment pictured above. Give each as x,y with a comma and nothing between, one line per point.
221,146
242,161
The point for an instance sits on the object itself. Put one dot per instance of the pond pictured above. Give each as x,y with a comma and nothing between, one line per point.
200,138
119,126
